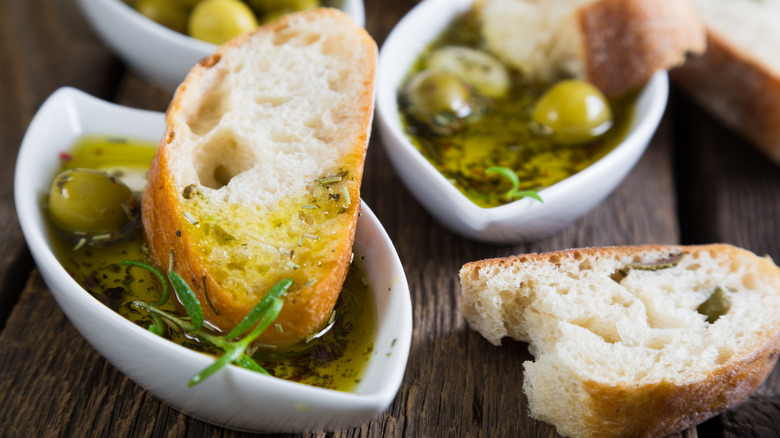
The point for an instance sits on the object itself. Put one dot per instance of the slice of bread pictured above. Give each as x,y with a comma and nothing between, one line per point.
621,342
257,177
738,77
617,45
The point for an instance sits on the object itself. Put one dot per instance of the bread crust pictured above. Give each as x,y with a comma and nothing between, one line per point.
667,408
625,42
306,307
653,409
737,89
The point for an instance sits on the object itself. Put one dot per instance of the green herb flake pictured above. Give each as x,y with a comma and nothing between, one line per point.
191,219
345,195
329,180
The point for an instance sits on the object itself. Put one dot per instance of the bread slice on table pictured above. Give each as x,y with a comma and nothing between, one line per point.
738,78
639,341
257,177
617,45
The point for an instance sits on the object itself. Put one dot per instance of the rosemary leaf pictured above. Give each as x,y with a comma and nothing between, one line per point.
166,290
277,291
247,362
232,353
188,299
514,192
156,327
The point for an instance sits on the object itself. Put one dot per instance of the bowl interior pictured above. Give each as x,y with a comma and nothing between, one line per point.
232,398
521,220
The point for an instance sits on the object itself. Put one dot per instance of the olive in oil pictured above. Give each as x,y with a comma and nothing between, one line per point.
504,134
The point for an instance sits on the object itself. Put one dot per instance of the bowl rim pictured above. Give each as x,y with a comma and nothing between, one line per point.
74,103
393,53
354,8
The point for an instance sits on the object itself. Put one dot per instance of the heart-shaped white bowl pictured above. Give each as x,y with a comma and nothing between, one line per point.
161,56
234,398
525,219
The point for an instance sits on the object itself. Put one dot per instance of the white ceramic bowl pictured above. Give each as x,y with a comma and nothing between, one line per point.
235,398
525,219
161,56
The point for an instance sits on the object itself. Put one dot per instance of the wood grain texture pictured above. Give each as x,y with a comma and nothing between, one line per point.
44,45
697,183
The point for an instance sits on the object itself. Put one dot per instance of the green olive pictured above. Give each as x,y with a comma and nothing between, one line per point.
479,69
575,111
86,202
219,21
267,6
715,306
439,100
169,13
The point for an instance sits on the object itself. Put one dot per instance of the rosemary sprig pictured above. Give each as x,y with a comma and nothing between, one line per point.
514,192
234,350
261,316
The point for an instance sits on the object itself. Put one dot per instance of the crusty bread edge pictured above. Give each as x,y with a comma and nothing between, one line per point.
737,89
660,409
666,408
163,216
625,42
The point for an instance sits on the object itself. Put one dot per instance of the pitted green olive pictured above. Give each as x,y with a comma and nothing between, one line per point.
85,202
169,13
479,69
219,21
575,111
439,100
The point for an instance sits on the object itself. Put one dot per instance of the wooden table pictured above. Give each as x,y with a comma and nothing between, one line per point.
697,183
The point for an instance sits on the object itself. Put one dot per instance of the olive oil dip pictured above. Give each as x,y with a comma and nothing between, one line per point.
105,263
492,132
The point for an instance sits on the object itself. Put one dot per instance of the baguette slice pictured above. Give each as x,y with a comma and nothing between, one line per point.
236,191
617,45
620,348
738,77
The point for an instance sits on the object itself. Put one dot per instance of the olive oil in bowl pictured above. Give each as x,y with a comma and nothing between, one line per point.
335,358
474,120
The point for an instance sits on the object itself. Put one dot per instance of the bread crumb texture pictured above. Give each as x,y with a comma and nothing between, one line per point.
621,345
541,38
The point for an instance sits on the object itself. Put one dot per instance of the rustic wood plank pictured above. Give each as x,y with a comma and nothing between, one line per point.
729,192
45,45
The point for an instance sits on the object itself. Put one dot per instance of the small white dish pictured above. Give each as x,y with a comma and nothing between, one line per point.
234,398
525,219
161,56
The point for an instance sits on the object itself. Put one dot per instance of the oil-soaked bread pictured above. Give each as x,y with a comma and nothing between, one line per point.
257,177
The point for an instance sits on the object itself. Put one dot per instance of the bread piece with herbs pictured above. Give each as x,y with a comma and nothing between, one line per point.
257,177
617,45
636,341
